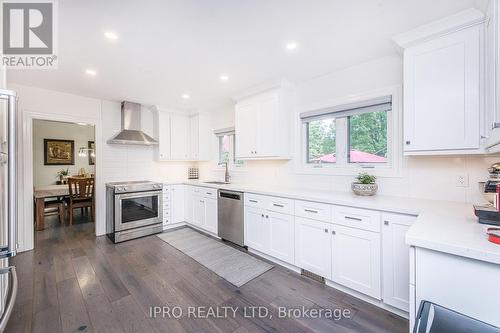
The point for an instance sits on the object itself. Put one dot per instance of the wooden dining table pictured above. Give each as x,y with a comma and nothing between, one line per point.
41,193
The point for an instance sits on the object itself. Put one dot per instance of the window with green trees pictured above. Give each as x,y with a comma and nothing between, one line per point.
350,134
321,141
368,137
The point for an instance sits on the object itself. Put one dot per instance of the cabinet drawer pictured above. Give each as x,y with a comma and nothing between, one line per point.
280,205
209,193
255,200
313,210
359,218
196,190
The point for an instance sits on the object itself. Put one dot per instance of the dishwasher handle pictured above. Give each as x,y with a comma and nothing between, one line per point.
230,195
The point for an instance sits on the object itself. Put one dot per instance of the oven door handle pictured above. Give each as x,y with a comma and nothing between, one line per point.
132,195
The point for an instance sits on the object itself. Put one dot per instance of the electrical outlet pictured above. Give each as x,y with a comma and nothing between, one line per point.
462,180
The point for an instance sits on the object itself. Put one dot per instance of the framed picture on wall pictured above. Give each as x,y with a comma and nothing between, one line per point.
58,152
91,154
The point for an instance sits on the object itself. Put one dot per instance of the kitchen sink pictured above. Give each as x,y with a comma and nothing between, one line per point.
217,183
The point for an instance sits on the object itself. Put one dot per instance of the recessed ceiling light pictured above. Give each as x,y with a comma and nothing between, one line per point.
110,35
186,96
291,45
91,72
224,77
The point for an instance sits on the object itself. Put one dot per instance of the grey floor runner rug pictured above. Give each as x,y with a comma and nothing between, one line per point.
229,263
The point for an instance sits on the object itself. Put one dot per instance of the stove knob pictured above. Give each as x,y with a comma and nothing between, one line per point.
125,188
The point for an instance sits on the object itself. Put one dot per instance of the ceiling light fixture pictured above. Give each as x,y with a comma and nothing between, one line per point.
91,72
224,77
186,96
110,35
291,45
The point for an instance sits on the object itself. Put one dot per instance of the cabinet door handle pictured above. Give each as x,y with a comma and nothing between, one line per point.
311,211
267,216
326,230
333,232
408,142
278,205
262,215
353,218
209,193
254,201
386,222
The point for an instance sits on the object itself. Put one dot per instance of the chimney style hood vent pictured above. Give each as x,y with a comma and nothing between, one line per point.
131,133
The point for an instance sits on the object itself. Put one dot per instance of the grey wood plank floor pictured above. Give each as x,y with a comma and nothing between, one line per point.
75,282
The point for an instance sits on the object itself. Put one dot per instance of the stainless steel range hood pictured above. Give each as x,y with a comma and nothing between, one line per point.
131,133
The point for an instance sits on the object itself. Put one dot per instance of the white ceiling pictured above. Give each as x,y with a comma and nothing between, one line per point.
168,48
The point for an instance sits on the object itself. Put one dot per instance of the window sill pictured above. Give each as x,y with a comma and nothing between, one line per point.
380,171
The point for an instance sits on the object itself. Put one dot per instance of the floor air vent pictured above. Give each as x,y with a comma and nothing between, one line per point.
313,276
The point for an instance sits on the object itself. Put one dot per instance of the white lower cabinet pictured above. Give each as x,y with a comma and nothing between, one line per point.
199,212
313,246
177,202
201,209
270,233
211,215
281,233
255,234
356,259
188,204
396,260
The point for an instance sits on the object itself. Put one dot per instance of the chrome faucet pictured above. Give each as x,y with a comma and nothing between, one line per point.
226,175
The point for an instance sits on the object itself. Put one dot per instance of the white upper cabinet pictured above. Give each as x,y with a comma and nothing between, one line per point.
493,76
262,124
182,136
194,137
443,89
162,120
179,137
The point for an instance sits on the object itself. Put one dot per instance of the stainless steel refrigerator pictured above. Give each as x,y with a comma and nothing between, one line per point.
8,206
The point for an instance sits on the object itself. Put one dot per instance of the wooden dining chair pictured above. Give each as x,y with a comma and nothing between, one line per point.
81,195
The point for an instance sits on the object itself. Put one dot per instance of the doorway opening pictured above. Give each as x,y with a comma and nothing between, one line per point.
64,164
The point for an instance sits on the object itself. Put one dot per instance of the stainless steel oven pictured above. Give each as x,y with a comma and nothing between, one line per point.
133,209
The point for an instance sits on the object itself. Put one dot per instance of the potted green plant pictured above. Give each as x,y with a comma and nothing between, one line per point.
365,184
64,173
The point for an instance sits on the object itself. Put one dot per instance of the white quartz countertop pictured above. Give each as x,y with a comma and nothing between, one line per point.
444,226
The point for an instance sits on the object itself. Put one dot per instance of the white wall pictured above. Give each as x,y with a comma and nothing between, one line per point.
43,129
422,177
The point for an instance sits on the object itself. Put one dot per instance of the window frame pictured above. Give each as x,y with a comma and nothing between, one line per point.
342,166
233,162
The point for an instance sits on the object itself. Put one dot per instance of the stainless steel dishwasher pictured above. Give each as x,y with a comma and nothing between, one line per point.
230,216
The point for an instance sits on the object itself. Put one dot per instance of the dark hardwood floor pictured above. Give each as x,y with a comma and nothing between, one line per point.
75,282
